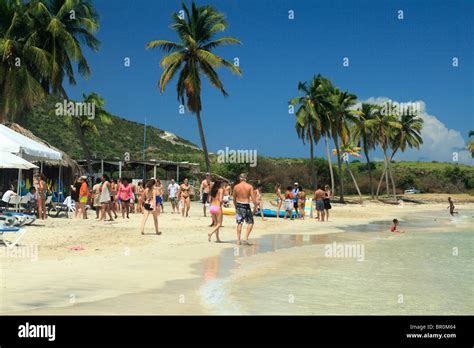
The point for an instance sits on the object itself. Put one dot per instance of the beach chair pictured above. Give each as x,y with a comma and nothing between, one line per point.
23,204
20,219
55,210
13,203
19,232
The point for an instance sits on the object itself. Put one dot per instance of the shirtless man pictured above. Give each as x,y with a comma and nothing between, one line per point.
451,207
319,198
243,193
204,191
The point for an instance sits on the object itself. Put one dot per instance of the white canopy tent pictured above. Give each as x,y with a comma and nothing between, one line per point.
29,149
11,161
26,148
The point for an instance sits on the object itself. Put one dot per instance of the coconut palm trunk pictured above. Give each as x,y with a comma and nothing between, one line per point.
311,165
84,145
331,172
369,167
339,166
203,142
354,180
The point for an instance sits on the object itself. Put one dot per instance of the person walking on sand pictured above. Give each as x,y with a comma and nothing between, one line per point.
173,188
259,200
301,202
75,189
327,201
451,207
150,206
216,200
279,200
96,197
139,197
204,192
185,192
105,202
125,194
319,198
295,191
243,193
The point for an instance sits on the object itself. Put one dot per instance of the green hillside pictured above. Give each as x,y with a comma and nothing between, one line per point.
113,141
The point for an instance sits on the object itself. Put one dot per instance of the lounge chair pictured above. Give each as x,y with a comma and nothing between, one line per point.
19,232
21,218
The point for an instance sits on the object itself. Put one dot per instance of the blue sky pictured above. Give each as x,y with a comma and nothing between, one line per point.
404,60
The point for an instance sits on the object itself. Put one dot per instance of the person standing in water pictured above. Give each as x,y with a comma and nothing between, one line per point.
185,191
216,200
451,207
243,193
204,192
150,206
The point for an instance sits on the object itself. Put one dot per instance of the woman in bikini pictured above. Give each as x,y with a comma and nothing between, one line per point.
139,197
301,202
150,206
216,199
185,190
279,199
42,193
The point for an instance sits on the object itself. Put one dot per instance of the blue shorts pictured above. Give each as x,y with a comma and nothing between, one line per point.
158,200
319,205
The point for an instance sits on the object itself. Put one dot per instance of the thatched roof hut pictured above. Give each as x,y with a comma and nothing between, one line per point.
66,160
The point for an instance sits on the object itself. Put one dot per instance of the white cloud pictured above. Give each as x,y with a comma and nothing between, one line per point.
439,141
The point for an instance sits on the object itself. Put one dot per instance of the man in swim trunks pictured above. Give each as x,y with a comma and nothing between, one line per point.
319,198
243,193
204,191
173,188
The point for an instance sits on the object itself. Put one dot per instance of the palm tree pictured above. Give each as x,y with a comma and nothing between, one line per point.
346,150
363,133
89,124
339,114
192,56
407,134
383,126
22,62
60,28
311,120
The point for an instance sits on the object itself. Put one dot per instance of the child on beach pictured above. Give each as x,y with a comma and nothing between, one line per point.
289,203
451,207
394,227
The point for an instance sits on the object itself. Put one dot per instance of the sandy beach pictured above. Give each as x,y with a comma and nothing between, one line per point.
119,271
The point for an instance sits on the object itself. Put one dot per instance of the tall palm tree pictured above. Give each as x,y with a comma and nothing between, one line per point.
346,150
383,126
311,119
22,62
192,56
363,133
339,115
408,134
61,26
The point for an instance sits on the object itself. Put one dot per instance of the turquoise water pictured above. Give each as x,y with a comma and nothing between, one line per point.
421,272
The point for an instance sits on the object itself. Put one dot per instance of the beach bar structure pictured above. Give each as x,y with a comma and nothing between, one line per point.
102,165
19,142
